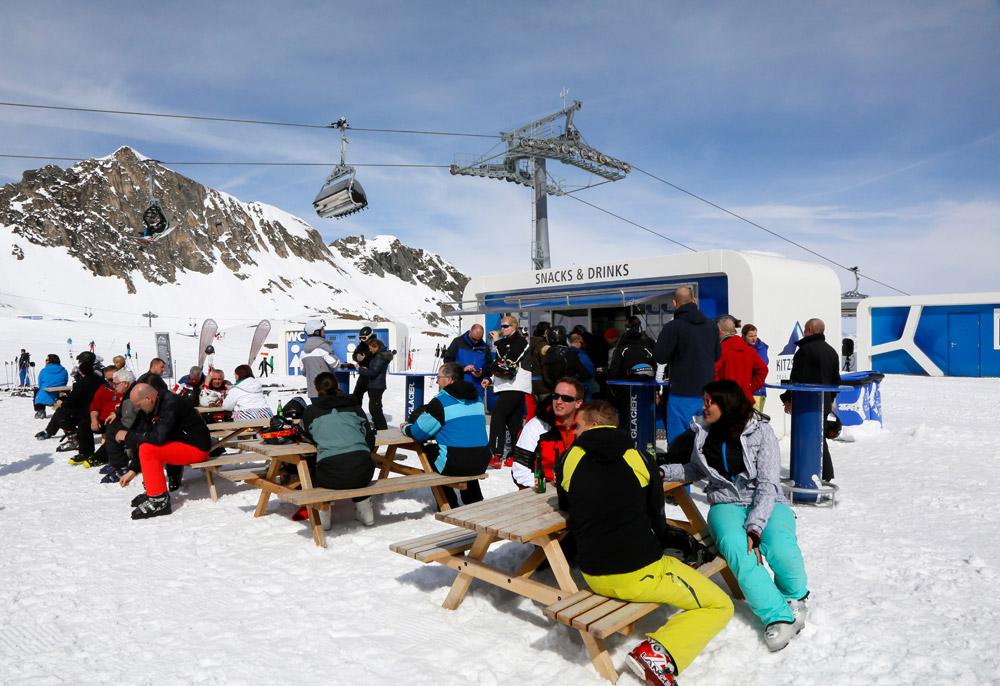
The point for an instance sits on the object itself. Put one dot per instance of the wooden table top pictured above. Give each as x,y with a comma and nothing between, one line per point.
519,516
58,389
382,438
239,424
205,409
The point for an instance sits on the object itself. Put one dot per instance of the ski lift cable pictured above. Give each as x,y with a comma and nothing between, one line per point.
240,121
236,164
629,221
766,230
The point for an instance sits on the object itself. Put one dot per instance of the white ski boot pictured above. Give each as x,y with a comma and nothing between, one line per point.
326,519
363,512
778,634
799,609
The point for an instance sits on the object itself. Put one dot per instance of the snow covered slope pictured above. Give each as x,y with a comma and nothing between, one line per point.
62,249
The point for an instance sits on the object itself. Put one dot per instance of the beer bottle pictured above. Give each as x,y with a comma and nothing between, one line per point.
539,475
278,412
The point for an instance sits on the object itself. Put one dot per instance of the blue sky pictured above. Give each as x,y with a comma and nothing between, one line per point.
868,131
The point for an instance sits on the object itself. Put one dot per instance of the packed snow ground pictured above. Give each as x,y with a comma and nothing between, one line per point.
903,571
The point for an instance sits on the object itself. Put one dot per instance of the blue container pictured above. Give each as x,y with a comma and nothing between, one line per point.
863,401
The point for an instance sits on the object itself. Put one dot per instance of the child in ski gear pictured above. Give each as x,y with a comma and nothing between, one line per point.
736,449
456,419
245,399
166,431
613,497
344,442
377,359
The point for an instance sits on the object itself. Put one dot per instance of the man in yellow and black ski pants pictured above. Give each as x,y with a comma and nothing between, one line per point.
613,495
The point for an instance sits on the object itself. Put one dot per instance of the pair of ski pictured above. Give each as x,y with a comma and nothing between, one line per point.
209,329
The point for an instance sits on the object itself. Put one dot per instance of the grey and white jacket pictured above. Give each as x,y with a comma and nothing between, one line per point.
317,357
759,486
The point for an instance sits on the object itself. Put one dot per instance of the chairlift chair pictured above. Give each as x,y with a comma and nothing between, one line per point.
341,193
154,218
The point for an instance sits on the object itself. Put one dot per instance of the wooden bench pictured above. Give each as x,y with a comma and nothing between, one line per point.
435,546
599,617
212,468
319,499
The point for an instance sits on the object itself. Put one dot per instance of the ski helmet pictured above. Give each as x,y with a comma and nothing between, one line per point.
209,349
633,330
314,326
556,335
365,332
86,357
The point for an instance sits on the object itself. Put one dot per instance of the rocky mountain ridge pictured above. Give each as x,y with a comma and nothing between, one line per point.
88,210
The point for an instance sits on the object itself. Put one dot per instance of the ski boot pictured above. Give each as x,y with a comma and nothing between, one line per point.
154,506
114,476
651,662
80,459
363,512
68,444
799,609
173,483
41,435
778,634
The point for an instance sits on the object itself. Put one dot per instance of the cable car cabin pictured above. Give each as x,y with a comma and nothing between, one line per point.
340,198
155,221
775,294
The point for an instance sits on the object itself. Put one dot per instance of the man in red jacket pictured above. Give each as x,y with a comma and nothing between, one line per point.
739,362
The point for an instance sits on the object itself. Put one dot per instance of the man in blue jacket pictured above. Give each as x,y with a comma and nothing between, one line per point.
472,353
456,419
689,345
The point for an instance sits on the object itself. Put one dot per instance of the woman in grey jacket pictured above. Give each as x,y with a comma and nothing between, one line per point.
736,449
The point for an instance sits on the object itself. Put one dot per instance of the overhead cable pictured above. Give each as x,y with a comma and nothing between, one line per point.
766,230
240,121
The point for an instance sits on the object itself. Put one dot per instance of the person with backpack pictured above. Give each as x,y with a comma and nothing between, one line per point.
631,360
560,360
344,442
511,382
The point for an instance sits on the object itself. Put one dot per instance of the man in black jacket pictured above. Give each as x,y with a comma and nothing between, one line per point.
613,496
689,345
167,430
815,362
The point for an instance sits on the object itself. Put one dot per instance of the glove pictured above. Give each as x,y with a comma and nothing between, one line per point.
753,545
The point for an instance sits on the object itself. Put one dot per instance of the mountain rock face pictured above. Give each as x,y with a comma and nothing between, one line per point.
89,210
386,255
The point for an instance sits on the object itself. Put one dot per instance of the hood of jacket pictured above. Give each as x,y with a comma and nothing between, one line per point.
462,390
735,342
806,340
313,342
249,384
604,443
689,312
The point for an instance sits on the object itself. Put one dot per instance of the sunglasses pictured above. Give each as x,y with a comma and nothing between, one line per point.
564,398
506,326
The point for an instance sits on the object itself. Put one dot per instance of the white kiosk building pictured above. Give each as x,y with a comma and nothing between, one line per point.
775,294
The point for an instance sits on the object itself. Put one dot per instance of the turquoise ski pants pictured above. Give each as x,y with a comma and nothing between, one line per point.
767,597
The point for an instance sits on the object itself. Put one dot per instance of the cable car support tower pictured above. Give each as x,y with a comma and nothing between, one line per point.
523,159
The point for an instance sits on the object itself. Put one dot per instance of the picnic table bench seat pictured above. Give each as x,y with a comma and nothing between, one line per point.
434,547
212,467
320,499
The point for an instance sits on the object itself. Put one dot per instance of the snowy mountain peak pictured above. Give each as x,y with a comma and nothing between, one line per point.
250,256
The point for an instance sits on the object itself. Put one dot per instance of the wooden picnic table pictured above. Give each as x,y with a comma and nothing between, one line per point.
59,389
529,517
209,409
297,453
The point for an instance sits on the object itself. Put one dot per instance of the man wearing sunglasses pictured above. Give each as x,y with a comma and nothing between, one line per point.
471,353
549,433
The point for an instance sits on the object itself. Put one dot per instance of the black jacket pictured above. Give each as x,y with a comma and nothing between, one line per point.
78,400
615,507
690,345
511,348
171,419
815,362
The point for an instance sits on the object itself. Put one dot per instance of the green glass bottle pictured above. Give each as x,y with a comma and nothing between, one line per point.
539,475
279,408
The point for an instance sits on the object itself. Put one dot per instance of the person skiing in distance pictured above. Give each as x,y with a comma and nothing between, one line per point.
128,350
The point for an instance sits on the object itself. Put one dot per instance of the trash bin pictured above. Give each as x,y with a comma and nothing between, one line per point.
862,403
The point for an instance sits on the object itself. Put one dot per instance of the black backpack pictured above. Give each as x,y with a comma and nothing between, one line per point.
637,362
558,365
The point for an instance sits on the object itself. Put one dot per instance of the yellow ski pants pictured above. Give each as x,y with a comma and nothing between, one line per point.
670,581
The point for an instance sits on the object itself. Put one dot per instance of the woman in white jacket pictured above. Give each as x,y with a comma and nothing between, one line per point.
511,381
246,397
